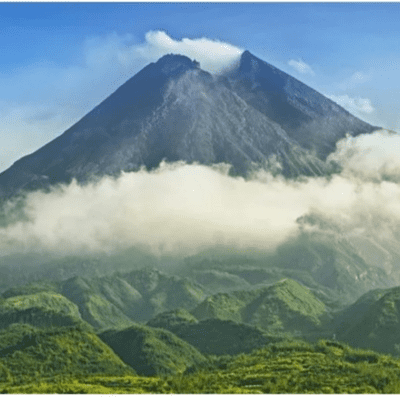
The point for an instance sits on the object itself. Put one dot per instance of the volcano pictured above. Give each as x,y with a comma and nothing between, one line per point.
254,115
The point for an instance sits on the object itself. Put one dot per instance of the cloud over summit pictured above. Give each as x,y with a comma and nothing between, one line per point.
213,55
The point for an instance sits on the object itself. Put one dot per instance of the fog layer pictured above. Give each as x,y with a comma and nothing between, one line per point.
180,207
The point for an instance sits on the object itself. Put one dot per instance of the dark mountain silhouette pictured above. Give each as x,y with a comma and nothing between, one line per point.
173,110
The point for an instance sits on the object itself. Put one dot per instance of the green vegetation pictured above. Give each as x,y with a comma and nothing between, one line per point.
22,269
118,300
286,367
94,308
30,354
163,292
42,309
214,336
171,319
285,306
82,334
321,259
352,315
216,281
32,288
152,351
378,327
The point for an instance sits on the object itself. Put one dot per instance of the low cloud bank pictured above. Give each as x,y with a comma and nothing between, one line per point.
370,157
181,208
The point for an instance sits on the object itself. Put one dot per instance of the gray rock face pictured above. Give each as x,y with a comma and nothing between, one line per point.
173,110
312,120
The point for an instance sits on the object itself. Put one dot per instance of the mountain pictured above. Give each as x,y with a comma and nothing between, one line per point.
283,307
31,354
337,266
152,351
24,268
377,325
95,307
41,309
299,367
309,118
173,110
212,336
113,301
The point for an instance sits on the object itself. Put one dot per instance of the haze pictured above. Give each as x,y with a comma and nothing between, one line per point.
182,208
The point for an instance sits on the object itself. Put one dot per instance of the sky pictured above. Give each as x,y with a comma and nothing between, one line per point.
59,60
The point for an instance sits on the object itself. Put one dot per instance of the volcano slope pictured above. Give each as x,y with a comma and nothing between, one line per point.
173,110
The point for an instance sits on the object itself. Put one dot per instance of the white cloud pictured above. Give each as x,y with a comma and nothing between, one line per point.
357,106
370,157
213,55
301,67
182,208
178,207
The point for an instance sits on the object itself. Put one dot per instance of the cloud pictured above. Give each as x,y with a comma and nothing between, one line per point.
40,101
181,208
357,106
178,207
301,67
370,157
213,55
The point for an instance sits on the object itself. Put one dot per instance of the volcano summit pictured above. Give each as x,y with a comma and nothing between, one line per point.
253,115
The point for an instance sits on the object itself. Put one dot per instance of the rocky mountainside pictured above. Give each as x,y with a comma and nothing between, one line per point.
309,118
173,110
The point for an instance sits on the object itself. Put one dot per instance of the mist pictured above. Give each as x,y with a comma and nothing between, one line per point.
180,208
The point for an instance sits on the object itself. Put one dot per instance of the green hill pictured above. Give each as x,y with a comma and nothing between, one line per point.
94,307
378,327
220,281
164,292
285,367
319,258
22,269
152,351
297,367
90,295
352,315
44,309
171,319
212,336
31,288
285,306
29,354
121,298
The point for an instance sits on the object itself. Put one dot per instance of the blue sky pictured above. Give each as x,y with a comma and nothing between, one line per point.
59,60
